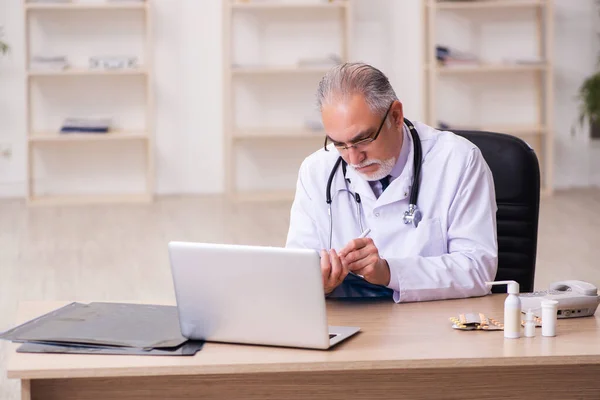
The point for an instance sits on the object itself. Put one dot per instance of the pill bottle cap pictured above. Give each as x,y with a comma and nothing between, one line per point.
549,303
529,315
512,286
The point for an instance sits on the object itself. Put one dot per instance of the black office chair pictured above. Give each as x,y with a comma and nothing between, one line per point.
516,173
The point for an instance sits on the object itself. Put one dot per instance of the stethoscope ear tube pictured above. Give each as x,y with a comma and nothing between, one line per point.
328,199
330,180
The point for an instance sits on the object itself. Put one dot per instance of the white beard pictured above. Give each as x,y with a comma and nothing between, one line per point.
385,167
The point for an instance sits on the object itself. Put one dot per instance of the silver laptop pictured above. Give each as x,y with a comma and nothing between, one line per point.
252,294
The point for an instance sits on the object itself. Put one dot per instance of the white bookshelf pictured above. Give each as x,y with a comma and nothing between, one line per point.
43,140
88,5
52,137
485,68
261,71
486,4
279,70
538,132
252,134
88,72
278,4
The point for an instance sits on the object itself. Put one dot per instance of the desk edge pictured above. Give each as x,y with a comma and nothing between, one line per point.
181,370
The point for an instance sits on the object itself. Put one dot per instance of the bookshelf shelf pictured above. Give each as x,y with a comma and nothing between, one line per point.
491,68
278,70
75,5
488,4
274,5
53,137
87,72
272,133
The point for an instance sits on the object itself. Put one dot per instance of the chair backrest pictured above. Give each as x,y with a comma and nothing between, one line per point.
516,173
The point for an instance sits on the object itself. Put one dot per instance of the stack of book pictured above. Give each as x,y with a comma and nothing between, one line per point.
54,63
86,125
447,56
113,62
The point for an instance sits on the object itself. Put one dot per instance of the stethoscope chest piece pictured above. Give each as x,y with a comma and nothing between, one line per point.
413,215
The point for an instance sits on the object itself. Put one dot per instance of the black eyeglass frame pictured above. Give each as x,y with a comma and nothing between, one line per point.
362,142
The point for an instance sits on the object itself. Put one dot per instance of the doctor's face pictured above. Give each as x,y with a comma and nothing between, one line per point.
351,126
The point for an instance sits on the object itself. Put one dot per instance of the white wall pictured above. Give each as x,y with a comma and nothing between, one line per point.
189,100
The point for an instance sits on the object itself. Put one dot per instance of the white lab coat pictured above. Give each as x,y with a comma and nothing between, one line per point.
453,251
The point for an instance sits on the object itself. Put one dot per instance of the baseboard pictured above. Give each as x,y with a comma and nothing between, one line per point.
17,190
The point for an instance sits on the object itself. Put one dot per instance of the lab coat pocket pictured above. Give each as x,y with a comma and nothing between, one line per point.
429,239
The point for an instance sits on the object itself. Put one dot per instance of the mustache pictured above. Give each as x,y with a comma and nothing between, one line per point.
365,163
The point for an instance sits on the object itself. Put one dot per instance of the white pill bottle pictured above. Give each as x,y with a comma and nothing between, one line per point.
512,309
549,316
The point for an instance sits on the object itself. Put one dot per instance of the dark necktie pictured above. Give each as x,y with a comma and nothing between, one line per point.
385,182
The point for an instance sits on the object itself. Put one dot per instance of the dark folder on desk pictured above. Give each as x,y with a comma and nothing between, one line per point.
105,328
188,348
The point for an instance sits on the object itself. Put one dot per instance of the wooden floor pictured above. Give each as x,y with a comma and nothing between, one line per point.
118,253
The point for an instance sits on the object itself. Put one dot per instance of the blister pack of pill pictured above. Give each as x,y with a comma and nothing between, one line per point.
479,321
475,321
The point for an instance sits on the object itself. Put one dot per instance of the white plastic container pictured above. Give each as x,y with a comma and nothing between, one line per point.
529,324
549,312
512,309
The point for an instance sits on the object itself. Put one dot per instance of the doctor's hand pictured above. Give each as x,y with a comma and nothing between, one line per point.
361,256
332,269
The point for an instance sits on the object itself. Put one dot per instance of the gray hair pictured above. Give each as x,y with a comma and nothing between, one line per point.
348,79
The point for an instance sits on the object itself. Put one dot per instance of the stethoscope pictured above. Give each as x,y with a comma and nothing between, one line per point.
413,214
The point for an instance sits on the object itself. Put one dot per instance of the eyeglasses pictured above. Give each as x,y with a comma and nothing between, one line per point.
362,143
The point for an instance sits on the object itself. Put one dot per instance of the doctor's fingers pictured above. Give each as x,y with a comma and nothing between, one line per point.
325,267
360,254
329,261
364,266
338,270
356,244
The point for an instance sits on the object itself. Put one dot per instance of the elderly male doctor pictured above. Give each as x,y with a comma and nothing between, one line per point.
450,253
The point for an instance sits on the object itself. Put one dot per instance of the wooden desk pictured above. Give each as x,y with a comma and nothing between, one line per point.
405,351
